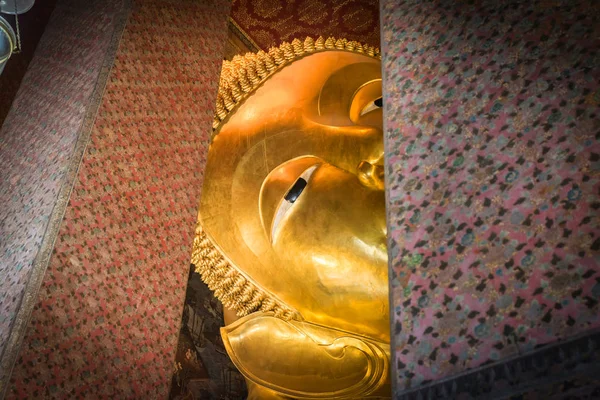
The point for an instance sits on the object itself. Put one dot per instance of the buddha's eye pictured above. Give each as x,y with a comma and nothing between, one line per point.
295,191
374,105
291,197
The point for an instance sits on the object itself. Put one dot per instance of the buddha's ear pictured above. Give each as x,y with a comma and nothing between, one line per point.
303,360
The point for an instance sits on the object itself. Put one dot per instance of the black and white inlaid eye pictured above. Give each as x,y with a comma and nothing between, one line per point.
291,197
296,190
372,106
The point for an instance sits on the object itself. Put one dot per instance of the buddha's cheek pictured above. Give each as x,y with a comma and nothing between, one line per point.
334,239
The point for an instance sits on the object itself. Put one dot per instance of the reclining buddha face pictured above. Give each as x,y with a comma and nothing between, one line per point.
293,191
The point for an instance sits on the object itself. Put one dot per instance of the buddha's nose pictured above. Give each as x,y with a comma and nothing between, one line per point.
371,175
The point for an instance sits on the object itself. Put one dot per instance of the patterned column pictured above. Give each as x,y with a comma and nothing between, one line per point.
493,175
41,144
107,316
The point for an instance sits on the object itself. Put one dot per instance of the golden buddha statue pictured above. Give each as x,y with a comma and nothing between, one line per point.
291,231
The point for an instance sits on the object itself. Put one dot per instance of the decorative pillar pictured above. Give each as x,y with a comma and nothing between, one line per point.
41,143
107,316
492,120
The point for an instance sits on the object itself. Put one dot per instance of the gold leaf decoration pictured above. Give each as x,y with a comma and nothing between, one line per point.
298,47
320,43
230,286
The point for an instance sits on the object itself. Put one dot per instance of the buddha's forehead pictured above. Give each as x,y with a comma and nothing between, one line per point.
318,87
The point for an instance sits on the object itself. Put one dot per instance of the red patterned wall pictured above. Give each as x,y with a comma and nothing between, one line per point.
270,22
108,313
41,145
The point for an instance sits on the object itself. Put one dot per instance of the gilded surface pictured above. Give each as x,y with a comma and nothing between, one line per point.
292,233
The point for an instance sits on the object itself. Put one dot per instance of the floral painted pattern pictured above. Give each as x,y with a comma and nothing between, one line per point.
39,133
108,314
493,175
269,23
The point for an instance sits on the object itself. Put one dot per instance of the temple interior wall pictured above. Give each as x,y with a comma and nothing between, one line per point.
106,318
491,137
